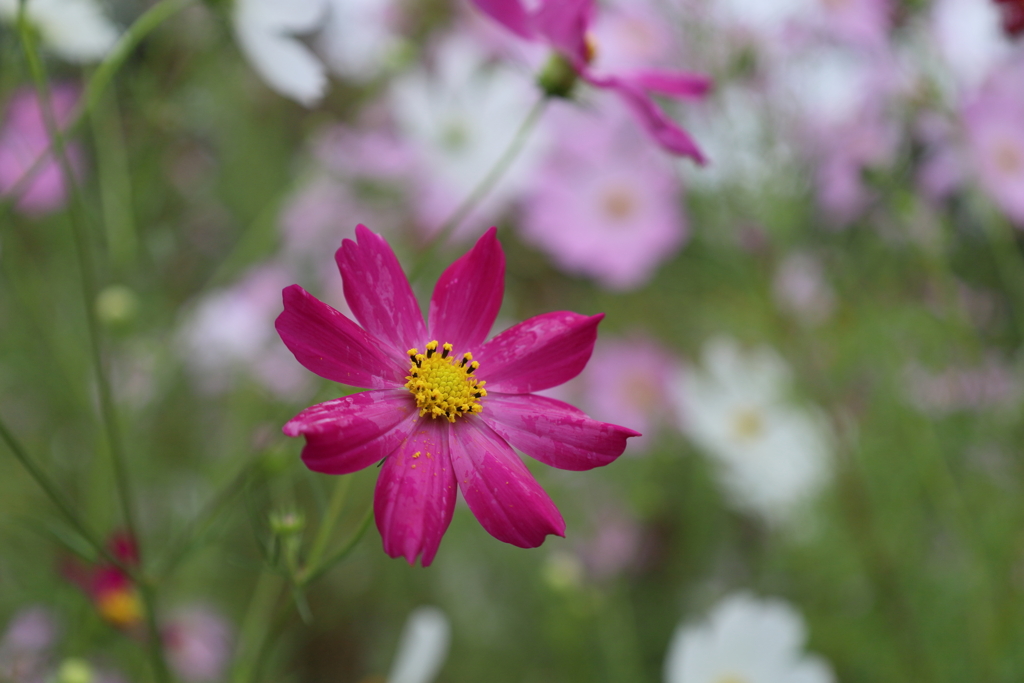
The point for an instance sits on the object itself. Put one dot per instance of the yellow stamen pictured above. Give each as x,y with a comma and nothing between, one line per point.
442,387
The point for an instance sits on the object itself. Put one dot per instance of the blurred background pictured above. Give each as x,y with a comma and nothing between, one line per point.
818,333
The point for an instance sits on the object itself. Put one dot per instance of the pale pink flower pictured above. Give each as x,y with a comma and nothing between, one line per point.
632,35
801,289
614,544
993,384
603,205
24,140
26,645
994,123
629,380
229,332
197,642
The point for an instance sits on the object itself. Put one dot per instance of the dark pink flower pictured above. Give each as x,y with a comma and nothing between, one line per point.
428,414
564,25
111,590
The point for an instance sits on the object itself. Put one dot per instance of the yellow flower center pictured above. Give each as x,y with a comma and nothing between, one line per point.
748,424
442,387
121,608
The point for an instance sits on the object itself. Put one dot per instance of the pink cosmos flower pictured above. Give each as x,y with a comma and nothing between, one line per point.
428,414
23,140
994,123
603,205
564,25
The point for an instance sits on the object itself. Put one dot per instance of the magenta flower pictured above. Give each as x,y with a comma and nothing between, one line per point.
564,25
428,414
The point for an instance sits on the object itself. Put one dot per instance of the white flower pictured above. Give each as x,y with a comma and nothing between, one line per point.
970,43
76,30
772,456
267,31
423,647
745,640
460,119
358,38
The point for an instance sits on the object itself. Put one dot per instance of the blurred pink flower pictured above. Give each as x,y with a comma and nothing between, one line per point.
23,140
565,26
614,545
839,94
603,205
632,35
864,23
629,380
993,384
111,590
458,119
228,331
994,123
801,289
26,644
197,641
397,421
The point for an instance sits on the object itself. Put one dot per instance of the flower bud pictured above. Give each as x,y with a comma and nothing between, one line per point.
558,77
116,305
287,523
75,670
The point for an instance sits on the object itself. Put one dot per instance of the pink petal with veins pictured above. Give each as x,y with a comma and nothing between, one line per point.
468,295
554,432
415,495
499,489
538,353
353,432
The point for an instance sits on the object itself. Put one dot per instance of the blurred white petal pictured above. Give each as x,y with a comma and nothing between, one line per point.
423,647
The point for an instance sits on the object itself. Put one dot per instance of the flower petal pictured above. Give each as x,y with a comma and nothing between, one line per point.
334,347
564,24
378,292
672,83
553,432
353,432
415,494
468,295
538,353
509,13
283,61
664,130
500,491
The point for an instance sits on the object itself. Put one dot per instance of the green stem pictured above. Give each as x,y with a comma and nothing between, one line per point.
114,179
154,644
54,494
104,74
89,290
483,188
1010,266
252,638
313,573
179,548
87,271
323,534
